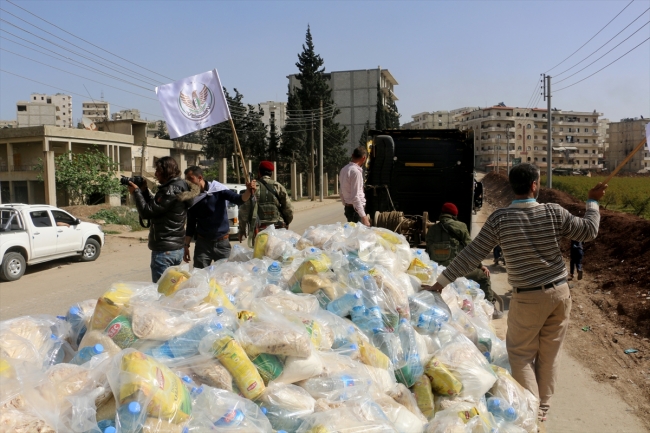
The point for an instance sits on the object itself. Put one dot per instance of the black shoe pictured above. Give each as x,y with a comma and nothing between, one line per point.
580,275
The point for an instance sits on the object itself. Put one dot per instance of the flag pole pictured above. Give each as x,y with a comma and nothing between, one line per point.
626,160
241,155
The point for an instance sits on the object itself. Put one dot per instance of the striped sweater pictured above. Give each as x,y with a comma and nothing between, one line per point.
529,234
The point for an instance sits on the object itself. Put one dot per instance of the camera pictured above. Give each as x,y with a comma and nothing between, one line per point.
138,180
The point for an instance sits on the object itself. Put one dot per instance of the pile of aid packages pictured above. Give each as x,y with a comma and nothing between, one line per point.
328,332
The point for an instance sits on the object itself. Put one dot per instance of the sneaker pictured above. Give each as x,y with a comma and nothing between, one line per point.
580,275
498,314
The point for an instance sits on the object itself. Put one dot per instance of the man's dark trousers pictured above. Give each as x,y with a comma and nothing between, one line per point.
352,215
207,251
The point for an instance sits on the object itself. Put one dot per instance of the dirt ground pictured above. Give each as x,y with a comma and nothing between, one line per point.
611,305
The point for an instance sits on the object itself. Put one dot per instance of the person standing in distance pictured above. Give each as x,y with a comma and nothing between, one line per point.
352,195
272,204
207,218
529,234
167,214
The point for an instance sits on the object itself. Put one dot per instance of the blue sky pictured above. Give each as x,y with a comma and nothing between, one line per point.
444,54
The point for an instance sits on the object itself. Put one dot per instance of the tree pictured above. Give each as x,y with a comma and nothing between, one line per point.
392,115
293,147
386,114
363,140
274,140
161,132
314,88
85,174
380,113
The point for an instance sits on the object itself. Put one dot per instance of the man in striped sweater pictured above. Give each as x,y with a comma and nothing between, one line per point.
529,234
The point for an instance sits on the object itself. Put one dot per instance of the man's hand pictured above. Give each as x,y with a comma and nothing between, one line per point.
251,186
597,192
242,236
435,288
365,221
132,187
486,271
186,255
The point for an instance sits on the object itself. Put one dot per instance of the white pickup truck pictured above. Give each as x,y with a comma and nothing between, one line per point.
31,234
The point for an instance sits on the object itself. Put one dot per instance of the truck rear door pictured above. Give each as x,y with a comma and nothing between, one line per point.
43,233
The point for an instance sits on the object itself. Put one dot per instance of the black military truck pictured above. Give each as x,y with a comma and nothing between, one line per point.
412,172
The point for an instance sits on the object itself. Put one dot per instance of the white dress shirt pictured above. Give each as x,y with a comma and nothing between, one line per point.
351,179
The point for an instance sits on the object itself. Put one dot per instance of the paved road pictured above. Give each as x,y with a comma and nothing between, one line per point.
50,288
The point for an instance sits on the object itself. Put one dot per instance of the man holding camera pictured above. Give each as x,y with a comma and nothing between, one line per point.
207,218
167,214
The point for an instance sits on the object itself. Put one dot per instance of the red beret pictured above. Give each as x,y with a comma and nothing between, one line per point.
267,165
450,208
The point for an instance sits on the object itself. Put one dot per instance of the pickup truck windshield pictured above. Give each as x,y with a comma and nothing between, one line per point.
10,221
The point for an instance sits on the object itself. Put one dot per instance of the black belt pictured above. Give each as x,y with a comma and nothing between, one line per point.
215,240
547,286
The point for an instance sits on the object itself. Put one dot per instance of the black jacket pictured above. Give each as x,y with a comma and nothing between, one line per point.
167,214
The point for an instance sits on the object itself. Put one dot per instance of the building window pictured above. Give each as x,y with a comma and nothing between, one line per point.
586,120
536,148
34,98
519,137
528,159
543,137
527,115
593,151
499,113
535,159
519,114
508,114
49,101
535,115
561,119
586,162
528,137
529,148
543,159
594,131
586,151
528,126
586,141
518,147
21,107
535,137
570,130
544,148
498,125
543,116
42,98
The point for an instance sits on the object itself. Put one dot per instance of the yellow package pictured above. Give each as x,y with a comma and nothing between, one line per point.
421,271
245,316
109,306
424,396
171,280
260,245
313,283
309,267
466,415
6,370
372,356
443,381
231,355
217,296
170,399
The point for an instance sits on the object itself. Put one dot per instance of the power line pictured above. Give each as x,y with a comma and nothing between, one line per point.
80,76
530,99
88,42
571,85
566,78
582,46
566,70
67,49
151,83
72,93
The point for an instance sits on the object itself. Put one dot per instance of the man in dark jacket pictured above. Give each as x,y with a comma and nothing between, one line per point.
167,215
207,218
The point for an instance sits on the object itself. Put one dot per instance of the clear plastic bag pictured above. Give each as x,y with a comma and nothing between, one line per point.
240,253
318,236
286,406
357,416
116,299
173,278
31,339
523,401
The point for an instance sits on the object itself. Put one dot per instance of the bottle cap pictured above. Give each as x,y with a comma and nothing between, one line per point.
218,326
358,308
366,277
110,429
134,407
187,379
255,269
275,264
53,337
74,311
98,348
350,329
353,346
61,317
376,330
357,294
401,321
219,310
265,410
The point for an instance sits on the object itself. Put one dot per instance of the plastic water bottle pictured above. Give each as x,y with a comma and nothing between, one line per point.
227,319
358,315
281,419
425,303
501,409
109,429
348,349
342,335
410,369
343,305
77,324
130,417
232,418
374,317
356,263
388,343
337,386
186,345
56,354
84,355
274,274
106,425
429,323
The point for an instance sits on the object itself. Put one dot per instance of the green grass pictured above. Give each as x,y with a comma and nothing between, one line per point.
111,232
624,194
119,215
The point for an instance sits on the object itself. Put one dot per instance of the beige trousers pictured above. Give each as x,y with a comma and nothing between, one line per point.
537,324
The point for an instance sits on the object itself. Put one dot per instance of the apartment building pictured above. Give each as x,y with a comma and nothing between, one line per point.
21,149
42,109
576,137
355,95
624,136
96,111
132,114
443,119
276,111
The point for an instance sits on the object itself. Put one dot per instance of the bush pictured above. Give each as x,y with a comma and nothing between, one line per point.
120,215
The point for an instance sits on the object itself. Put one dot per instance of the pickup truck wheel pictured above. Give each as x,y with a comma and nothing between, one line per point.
13,267
91,251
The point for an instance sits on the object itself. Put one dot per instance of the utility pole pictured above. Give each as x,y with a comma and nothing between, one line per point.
549,133
507,150
320,151
498,149
312,190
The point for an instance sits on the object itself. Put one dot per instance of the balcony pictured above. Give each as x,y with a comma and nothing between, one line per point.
31,167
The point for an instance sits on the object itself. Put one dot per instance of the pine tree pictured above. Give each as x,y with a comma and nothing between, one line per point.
274,140
294,137
380,112
392,114
363,140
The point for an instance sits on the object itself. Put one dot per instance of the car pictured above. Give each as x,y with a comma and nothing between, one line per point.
31,234
233,209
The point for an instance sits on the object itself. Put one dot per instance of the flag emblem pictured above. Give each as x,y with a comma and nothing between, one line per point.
198,106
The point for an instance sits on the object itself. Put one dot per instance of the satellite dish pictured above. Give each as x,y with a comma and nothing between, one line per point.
88,124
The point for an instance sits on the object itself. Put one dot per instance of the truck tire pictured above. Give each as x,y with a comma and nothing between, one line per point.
91,251
12,267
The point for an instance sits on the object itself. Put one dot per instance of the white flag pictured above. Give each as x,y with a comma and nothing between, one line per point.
647,136
193,103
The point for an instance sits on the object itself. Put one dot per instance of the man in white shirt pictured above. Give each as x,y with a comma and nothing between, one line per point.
352,195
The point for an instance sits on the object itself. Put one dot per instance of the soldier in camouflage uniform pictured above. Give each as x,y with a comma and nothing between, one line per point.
272,205
447,238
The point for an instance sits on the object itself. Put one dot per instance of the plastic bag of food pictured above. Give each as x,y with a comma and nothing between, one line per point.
519,398
462,418
403,419
112,303
172,279
153,322
219,410
443,381
321,286
356,416
392,289
139,381
231,355
422,271
240,253
297,368
203,370
286,406
284,302
12,420
312,265
30,339
318,236
422,390
93,338
78,316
